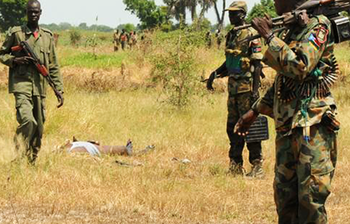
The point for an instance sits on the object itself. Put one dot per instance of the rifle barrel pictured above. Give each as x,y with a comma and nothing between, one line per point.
275,20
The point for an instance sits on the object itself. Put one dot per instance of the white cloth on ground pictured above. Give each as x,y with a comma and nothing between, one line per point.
90,148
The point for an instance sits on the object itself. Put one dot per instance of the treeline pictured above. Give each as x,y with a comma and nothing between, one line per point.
83,26
164,16
169,16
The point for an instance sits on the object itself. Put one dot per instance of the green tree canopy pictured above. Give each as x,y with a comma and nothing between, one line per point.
12,13
128,27
148,12
262,8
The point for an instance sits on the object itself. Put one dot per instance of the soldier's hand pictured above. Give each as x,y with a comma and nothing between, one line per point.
210,81
60,99
263,26
22,60
244,123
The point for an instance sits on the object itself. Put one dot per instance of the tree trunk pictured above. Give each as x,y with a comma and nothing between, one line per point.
220,19
217,11
201,15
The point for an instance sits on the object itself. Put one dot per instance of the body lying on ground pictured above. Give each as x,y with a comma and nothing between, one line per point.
95,149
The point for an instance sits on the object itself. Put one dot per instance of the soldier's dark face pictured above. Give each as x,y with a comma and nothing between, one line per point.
33,13
236,17
283,6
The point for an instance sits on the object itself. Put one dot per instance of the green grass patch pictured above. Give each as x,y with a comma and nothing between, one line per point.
89,60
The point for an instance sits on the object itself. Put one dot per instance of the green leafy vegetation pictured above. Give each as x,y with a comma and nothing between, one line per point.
90,60
148,12
12,13
262,8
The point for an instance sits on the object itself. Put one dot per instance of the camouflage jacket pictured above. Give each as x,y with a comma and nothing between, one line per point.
305,64
25,78
238,57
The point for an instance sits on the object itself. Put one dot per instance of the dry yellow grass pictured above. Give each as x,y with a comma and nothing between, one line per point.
64,188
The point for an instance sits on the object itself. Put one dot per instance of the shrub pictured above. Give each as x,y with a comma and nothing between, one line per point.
75,37
176,68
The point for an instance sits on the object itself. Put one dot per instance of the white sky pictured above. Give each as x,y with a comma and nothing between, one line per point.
109,12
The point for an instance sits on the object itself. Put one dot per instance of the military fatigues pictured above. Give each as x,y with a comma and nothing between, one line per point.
240,90
28,86
299,101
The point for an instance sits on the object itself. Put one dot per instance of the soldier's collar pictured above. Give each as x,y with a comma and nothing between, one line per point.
29,32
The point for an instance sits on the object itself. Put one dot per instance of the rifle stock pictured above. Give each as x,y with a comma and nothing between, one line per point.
24,46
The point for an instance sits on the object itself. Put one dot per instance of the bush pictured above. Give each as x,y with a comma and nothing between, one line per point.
75,37
176,68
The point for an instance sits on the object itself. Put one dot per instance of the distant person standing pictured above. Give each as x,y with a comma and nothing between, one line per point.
134,38
219,38
130,39
208,39
123,39
116,40
26,83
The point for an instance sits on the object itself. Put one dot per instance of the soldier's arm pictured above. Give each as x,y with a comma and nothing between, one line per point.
54,69
5,51
255,57
255,48
222,70
264,105
298,62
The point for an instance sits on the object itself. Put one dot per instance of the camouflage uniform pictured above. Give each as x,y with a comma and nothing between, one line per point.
298,102
240,87
28,86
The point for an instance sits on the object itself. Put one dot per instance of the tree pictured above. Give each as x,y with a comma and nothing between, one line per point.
205,4
128,27
220,18
264,7
177,9
12,13
83,26
148,12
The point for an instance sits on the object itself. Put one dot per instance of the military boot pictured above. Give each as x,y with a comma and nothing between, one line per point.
236,169
257,170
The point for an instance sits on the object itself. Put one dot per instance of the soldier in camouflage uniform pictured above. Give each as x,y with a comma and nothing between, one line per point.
241,65
27,85
303,108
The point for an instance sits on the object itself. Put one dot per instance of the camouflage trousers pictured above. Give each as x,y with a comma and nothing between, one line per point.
30,113
303,175
238,105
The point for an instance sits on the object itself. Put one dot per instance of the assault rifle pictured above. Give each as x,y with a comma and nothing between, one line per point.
329,8
24,46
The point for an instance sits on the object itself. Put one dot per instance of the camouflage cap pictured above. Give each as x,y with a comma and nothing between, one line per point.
238,6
